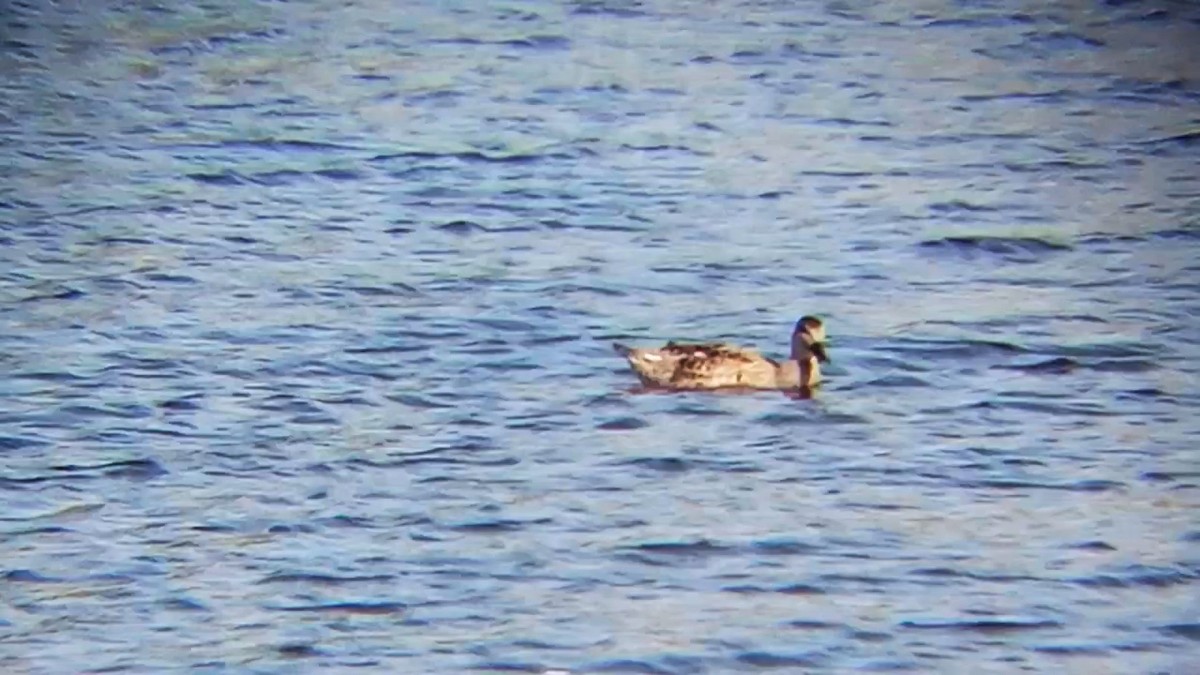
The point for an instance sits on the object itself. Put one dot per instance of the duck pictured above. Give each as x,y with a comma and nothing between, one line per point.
719,365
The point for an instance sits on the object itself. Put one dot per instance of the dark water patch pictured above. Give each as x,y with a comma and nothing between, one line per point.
1169,476
184,604
897,382
540,42
959,206
762,659
289,529
783,546
461,227
28,577
8,443
863,579
787,589
282,145
135,470
497,525
163,278
339,174
1073,486
363,608
1108,350
32,577
473,157
357,522
222,178
663,464
701,408
1133,576
188,402
511,365
1056,366
513,667
417,401
990,20
1171,234
587,289
299,650
1094,545
1055,96
953,349
632,666
809,624
288,404
1062,365
788,419
1025,405
321,579
621,9
1190,631
1184,138
1125,366
623,424
1007,249
667,553
661,148
433,458
988,625
952,573
391,290
504,325
64,293
1059,40
33,531
398,348
212,107
1073,649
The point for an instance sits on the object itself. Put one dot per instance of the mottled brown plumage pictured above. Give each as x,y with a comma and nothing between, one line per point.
715,365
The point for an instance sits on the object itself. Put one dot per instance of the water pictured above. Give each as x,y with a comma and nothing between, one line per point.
305,312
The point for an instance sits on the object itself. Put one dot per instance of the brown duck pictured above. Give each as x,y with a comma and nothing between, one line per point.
716,365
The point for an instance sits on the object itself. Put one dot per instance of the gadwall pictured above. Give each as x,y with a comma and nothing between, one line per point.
720,365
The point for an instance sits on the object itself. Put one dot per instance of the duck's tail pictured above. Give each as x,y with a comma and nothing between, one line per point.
623,350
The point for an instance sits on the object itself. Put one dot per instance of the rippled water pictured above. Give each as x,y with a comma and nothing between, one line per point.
305,312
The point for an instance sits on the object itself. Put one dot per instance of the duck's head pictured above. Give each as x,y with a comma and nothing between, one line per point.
808,337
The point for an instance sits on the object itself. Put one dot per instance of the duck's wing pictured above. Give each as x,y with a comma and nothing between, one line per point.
708,350
718,364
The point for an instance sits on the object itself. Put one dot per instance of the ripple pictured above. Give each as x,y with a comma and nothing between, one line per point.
1072,486
320,579
993,624
302,314
1190,631
1142,575
134,469
1008,249
788,589
954,349
761,659
351,608
623,424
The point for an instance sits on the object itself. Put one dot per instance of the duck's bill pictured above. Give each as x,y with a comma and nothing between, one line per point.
818,350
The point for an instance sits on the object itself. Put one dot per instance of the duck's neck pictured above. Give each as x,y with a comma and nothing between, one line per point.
800,350
810,370
799,372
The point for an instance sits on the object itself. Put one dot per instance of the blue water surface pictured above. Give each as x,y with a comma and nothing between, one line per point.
306,311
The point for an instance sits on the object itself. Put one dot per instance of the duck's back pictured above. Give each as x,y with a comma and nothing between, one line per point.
713,365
